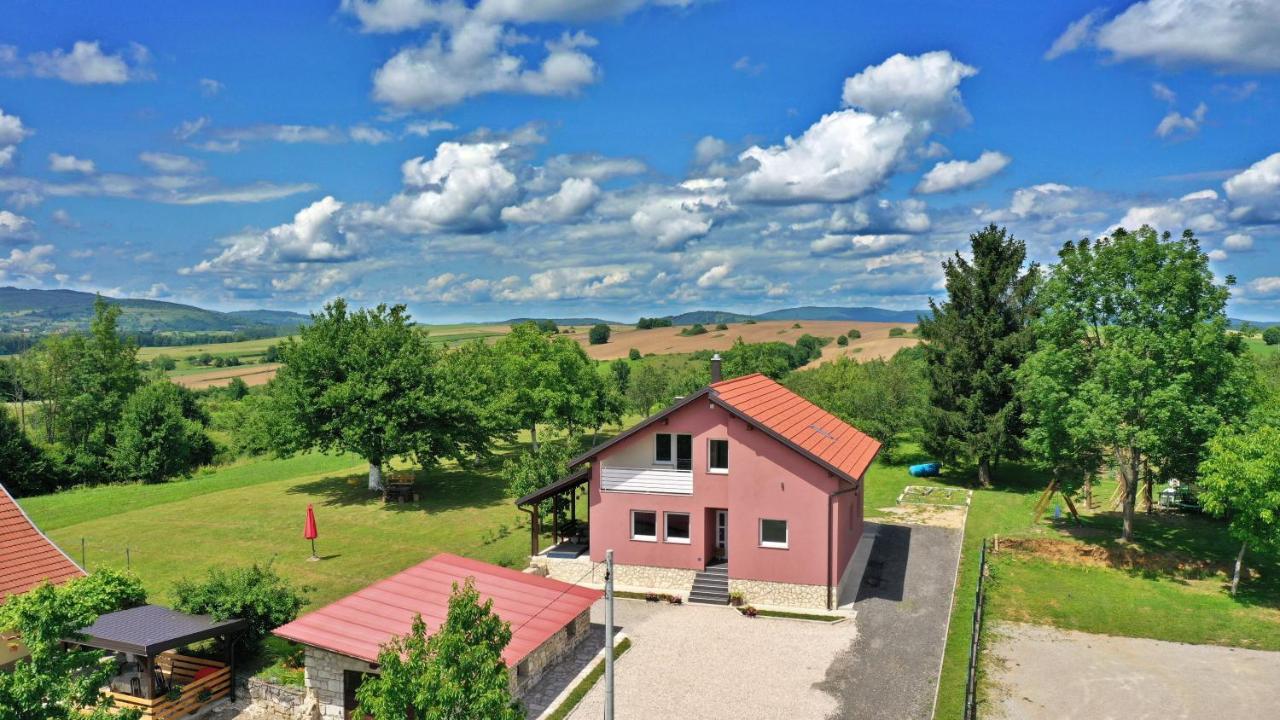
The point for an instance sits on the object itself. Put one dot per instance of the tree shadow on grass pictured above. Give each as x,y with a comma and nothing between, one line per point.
437,489
1179,548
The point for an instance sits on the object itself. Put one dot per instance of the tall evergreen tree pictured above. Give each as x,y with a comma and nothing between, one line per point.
976,341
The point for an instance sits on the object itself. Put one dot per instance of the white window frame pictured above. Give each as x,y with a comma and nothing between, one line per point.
785,544
644,538
671,449
715,470
666,528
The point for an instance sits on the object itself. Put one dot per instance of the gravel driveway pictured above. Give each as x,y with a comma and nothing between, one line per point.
711,662
1038,673
890,671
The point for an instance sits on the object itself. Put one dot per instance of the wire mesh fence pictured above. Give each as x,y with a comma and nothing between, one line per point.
970,691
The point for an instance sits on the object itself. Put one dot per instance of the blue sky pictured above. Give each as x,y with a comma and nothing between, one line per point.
552,157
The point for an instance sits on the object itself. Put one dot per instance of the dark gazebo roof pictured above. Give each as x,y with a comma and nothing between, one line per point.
150,630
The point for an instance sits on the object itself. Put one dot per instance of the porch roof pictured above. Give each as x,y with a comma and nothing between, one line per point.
149,630
565,483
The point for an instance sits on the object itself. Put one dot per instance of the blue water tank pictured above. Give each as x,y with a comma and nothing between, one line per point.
929,469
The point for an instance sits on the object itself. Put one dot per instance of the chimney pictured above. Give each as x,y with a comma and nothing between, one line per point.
715,368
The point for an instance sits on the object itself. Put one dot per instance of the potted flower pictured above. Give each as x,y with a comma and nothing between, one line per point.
675,599
736,598
651,597
750,611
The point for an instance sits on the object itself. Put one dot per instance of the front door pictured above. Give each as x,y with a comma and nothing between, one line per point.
722,535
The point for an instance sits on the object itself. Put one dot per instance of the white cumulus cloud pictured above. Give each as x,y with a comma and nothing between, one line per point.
70,164
87,64
1255,191
316,235
575,197
1175,123
464,187
957,174
170,164
925,88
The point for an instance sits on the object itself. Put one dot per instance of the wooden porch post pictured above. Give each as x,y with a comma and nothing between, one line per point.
555,519
151,677
231,662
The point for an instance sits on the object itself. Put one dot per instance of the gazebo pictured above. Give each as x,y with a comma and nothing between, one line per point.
571,539
151,677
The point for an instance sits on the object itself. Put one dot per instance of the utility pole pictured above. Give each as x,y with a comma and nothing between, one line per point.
608,635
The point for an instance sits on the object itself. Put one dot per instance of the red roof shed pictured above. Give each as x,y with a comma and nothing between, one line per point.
27,556
359,624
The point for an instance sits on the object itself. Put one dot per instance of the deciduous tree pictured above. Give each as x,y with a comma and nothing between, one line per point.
1240,479
457,673
1133,357
161,435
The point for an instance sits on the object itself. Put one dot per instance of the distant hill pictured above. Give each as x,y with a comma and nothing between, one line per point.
853,314
565,322
709,316
41,312
1263,324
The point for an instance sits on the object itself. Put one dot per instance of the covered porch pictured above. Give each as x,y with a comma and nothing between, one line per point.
569,534
149,675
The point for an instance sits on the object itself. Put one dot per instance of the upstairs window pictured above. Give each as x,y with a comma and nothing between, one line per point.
644,525
718,456
662,448
684,452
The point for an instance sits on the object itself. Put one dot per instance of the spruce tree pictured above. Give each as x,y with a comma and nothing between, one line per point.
975,342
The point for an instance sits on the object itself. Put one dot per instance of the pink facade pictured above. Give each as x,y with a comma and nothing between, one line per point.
765,480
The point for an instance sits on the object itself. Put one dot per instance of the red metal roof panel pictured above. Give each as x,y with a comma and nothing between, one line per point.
361,623
806,426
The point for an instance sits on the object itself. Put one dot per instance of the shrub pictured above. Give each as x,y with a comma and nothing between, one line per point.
236,389
28,469
649,323
548,326
1271,335
897,332
160,435
721,326
748,322
272,354
694,329
795,326
107,591
633,354
164,362
854,334
842,341
255,594
599,334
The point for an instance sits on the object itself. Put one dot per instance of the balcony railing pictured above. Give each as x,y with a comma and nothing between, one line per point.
657,481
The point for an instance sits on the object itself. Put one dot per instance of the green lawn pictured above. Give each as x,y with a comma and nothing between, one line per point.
1261,348
1176,591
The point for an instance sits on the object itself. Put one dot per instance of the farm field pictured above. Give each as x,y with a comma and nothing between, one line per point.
201,378
1261,348
875,339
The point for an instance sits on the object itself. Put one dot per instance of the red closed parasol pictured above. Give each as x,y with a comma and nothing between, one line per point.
309,532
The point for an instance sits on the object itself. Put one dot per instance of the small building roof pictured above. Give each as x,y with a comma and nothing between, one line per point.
27,556
571,480
795,422
361,623
150,630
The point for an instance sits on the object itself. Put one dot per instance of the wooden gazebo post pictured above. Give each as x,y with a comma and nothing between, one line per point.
151,676
231,662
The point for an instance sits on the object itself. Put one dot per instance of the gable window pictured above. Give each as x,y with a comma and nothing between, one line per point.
662,448
677,528
644,525
675,450
718,456
773,533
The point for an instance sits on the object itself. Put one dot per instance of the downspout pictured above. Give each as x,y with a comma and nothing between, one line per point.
831,502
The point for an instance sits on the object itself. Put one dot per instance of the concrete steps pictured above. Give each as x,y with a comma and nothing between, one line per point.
711,586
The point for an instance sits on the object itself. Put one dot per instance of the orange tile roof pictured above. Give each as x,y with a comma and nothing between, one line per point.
27,556
359,624
807,427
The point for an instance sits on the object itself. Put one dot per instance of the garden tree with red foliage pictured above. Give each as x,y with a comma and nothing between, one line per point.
369,383
977,339
1133,358
457,673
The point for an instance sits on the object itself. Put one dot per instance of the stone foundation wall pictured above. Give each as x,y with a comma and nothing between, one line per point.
582,571
281,702
760,592
324,680
531,669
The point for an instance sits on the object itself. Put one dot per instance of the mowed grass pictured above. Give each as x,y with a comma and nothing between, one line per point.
1177,594
1261,348
255,513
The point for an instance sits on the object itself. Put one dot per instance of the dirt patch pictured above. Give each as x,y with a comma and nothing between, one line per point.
875,340
947,516
1034,672
1124,557
251,375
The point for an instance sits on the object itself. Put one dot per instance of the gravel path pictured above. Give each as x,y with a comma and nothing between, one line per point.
711,662
891,670
1038,673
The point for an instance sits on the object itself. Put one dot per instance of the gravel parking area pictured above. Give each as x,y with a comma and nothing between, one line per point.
1037,673
711,662
890,671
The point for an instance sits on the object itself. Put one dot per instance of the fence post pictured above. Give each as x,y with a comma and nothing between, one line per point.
128,559
83,564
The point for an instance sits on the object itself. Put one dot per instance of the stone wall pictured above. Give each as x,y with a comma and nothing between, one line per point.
281,702
531,669
637,578
759,592
324,679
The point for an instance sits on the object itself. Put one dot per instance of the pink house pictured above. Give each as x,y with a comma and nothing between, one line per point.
743,486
